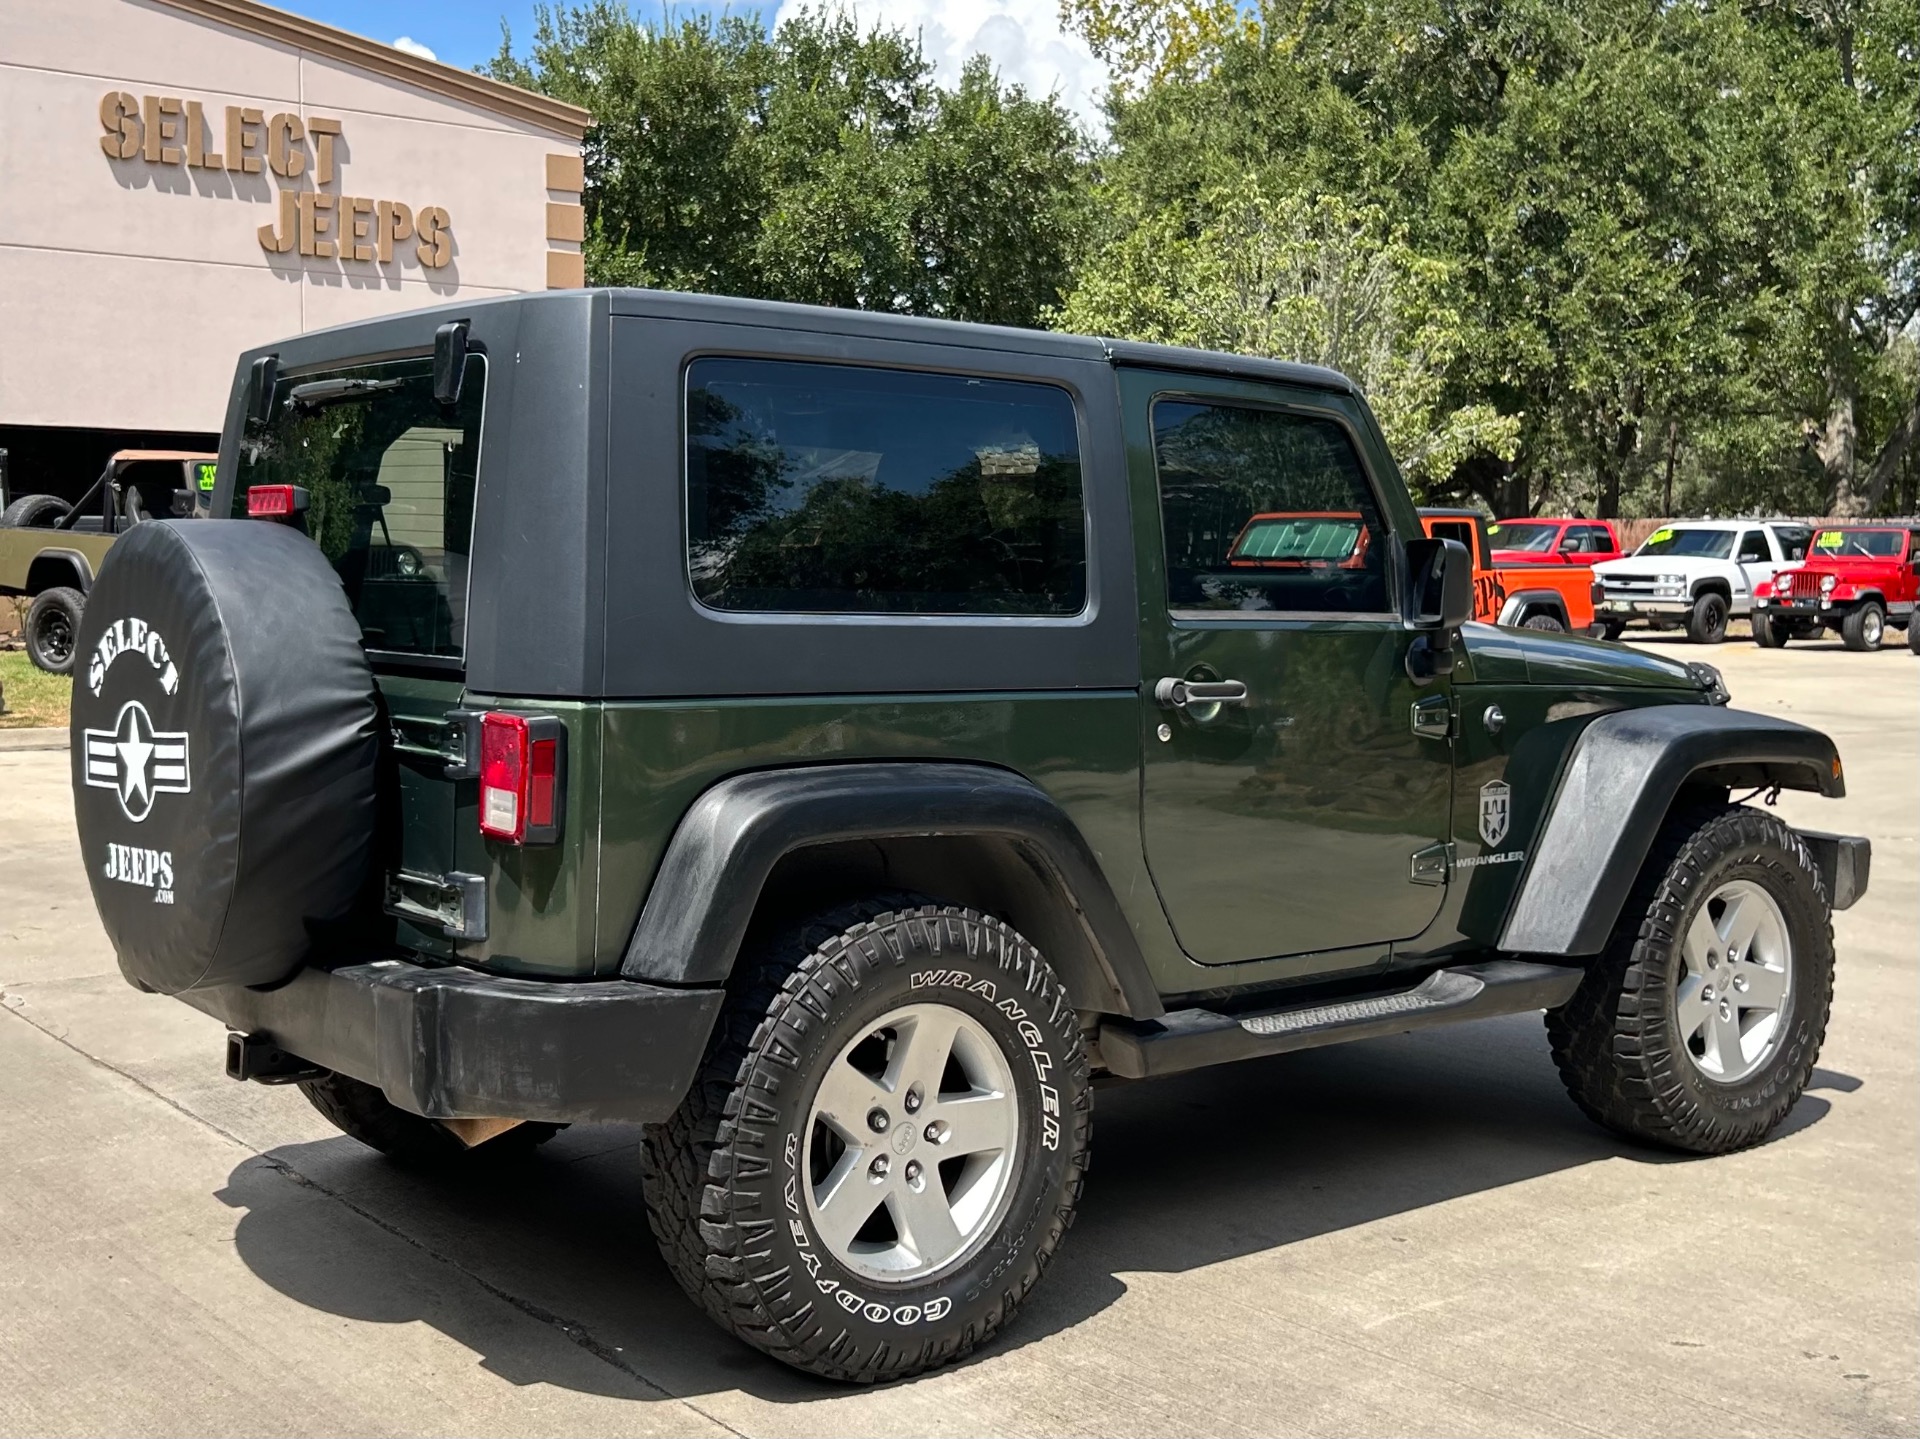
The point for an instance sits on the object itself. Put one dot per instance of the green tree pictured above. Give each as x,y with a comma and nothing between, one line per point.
820,164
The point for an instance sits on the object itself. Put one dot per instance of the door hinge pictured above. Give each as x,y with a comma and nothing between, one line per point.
1433,717
1430,865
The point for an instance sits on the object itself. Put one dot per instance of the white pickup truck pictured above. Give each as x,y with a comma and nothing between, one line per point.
1696,575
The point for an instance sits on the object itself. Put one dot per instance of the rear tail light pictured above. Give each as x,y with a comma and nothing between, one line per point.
275,502
522,777
1596,592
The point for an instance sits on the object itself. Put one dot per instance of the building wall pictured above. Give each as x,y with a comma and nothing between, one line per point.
128,285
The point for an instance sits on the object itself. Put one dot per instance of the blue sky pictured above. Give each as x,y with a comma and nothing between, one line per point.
1022,37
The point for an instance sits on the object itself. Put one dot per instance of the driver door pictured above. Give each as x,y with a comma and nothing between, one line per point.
1291,816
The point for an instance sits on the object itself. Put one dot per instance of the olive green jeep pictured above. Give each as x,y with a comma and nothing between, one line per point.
834,742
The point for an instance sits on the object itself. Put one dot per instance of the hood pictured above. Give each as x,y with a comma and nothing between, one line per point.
1539,657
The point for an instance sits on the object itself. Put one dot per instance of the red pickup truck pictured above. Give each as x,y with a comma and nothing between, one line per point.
1543,541
1857,579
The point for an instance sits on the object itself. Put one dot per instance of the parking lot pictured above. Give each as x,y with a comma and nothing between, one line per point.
1416,1235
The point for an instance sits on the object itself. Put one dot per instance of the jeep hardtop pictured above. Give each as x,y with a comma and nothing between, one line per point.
831,740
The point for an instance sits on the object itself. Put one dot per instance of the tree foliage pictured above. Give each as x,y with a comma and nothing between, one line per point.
1668,247
819,163
1608,255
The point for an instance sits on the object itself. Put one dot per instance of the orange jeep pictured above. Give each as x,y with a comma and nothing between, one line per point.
1551,596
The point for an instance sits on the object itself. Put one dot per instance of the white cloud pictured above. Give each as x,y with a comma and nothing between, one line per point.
1022,38
414,47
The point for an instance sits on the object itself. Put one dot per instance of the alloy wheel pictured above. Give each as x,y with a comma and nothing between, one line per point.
1730,1003
912,1144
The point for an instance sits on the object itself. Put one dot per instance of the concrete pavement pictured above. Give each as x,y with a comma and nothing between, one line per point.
1418,1235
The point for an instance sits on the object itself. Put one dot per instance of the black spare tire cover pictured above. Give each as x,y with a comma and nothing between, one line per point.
224,741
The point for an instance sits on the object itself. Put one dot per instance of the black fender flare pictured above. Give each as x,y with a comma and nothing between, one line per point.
731,838
82,570
1520,601
1620,779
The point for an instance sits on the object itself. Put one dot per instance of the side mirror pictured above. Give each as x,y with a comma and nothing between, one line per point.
1439,600
449,362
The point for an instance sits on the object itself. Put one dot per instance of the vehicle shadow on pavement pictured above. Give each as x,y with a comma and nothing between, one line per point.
548,1272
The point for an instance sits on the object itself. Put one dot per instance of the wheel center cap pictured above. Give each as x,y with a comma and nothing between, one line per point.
905,1136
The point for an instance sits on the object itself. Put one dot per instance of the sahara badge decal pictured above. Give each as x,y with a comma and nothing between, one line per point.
1496,808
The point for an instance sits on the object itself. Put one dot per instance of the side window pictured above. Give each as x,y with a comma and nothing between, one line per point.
1753,548
1573,540
1793,540
820,488
1590,540
1265,510
1460,531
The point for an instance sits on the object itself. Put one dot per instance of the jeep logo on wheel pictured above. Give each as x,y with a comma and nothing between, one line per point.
1496,807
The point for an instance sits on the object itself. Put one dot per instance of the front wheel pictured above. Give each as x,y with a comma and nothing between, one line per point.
1913,633
1698,1026
1707,620
1771,634
1863,627
885,1146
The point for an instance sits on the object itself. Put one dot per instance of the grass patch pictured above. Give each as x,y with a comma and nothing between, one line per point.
35,699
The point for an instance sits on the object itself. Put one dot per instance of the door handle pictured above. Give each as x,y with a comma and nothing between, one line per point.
1176,694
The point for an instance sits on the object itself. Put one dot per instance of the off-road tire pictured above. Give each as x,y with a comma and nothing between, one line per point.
716,1176
1913,633
1612,630
362,1112
1771,634
1707,620
1864,626
31,510
53,629
1543,622
1615,1040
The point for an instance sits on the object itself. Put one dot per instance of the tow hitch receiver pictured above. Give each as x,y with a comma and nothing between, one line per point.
257,1057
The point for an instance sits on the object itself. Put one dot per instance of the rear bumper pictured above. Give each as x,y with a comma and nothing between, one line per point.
454,1043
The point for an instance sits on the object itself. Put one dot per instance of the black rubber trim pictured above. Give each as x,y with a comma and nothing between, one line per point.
1619,782
1845,861
81,565
732,836
453,1043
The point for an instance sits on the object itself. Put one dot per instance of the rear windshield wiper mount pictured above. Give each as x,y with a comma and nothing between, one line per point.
317,393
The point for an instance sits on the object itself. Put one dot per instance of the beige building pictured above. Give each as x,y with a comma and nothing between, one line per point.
180,179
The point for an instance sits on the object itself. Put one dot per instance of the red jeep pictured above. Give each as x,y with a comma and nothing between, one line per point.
1563,542
1856,579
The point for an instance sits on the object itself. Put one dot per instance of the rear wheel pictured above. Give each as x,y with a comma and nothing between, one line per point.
1707,621
53,629
362,1112
1771,634
885,1145
1543,622
1864,626
1698,1026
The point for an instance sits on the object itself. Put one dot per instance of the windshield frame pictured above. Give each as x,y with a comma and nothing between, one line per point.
1815,553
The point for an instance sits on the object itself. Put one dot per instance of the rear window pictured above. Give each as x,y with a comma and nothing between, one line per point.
390,476
819,488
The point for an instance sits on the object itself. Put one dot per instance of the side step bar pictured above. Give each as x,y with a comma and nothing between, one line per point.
1192,1038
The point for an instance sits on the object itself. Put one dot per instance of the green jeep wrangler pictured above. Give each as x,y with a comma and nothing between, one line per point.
838,742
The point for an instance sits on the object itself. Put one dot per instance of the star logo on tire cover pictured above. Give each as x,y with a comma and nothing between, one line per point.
137,761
